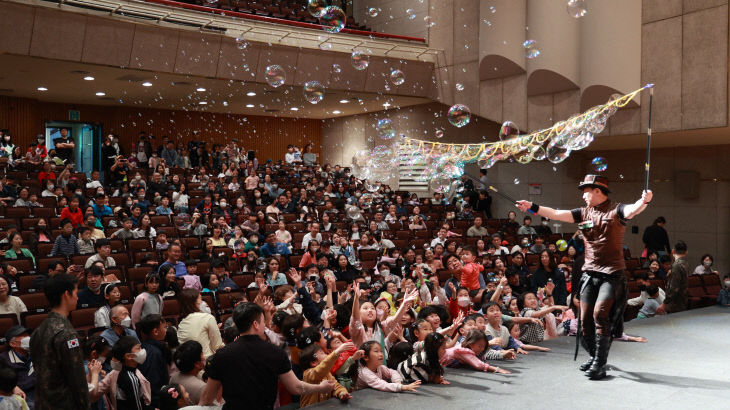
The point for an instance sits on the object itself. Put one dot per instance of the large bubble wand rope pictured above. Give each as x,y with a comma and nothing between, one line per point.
647,165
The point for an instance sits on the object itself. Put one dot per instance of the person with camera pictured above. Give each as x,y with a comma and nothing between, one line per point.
119,171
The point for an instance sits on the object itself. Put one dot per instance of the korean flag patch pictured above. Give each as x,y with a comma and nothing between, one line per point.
73,343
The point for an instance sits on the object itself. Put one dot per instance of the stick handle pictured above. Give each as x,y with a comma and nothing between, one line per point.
647,165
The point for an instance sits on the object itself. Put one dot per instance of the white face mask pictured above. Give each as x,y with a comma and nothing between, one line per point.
464,301
126,322
223,204
367,279
727,283
205,308
384,272
140,356
116,365
707,264
25,343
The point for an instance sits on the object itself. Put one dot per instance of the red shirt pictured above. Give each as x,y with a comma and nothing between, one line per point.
76,218
470,275
44,176
41,149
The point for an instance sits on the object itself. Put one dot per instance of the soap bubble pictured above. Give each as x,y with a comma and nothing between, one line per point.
429,21
599,164
531,50
397,77
373,12
241,43
508,129
316,7
621,176
459,115
562,245
385,129
577,8
460,86
360,60
440,184
275,75
372,186
517,181
538,153
333,19
411,14
492,9
439,133
556,153
313,91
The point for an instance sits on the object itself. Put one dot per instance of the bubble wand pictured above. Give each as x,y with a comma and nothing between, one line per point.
647,165
497,191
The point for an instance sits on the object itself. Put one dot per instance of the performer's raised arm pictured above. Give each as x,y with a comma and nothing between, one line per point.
561,215
638,207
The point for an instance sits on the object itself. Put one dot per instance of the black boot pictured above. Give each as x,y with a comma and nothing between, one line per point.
597,370
588,343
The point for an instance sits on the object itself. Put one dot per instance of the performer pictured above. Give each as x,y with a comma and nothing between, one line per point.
603,284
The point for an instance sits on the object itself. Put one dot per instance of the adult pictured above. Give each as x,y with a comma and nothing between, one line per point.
92,296
676,297
190,361
526,229
705,266
8,302
313,234
120,325
655,237
55,350
603,285
477,229
196,324
18,359
551,278
16,248
174,252
248,371
73,212
64,147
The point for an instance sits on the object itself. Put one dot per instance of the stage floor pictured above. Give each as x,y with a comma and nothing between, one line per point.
684,365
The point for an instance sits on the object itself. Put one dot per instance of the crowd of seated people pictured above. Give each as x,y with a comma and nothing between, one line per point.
361,288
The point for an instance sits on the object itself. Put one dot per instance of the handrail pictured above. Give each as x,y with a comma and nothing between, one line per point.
267,19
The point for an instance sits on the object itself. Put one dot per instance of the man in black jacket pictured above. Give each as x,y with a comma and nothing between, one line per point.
655,237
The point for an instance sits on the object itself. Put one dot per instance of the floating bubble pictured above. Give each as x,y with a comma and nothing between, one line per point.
360,60
275,75
373,12
440,184
459,115
581,141
372,186
336,68
621,176
556,154
492,9
517,181
439,133
538,153
531,50
599,164
385,129
333,19
561,244
241,43
411,14
313,91
508,129
460,86
577,8
316,7
429,21
397,77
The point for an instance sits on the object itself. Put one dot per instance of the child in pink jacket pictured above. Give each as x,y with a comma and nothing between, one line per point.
373,374
468,353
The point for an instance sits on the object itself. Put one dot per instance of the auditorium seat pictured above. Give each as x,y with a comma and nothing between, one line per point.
32,320
697,295
712,285
35,302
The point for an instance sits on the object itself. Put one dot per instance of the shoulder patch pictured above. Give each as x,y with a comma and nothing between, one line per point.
73,343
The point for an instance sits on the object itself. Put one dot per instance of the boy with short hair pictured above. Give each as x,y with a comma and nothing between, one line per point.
8,382
161,243
651,304
125,386
317,365
470,274
500,336
126,231
86,244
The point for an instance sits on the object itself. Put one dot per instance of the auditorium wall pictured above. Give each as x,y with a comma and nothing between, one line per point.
269,136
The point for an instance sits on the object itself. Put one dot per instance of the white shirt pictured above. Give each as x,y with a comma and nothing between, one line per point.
289,158
93,184
308,237
437,241
639,300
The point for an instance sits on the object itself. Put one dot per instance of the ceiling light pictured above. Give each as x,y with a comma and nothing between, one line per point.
200,89
294,109
386,105
100,94
344,101
249,106
89,78
202,102
42,89
251,94
146,84
336,112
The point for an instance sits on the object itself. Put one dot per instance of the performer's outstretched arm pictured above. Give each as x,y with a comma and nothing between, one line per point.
561,215
638,207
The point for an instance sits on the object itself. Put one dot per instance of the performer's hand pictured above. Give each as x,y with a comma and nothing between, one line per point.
524,205
646,196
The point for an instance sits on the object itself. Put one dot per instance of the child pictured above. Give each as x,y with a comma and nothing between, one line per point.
514,331
470,274
460,301
317,366
147,302
8,382
424,364
501,338
125,386
164,208
468,352
650,305
373,374
533,332
173,396
86,245
161,243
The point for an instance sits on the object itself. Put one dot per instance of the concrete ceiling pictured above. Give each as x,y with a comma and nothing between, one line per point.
20,76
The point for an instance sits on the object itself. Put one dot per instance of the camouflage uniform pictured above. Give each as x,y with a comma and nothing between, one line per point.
58,360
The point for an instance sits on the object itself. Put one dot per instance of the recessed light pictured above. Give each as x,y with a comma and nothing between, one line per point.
42,89
89,78
146,84
202,102
336,112
386,105
251,94
200,89
344,101
100,94
249,105
294,109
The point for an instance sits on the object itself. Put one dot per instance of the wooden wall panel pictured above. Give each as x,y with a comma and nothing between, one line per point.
269,136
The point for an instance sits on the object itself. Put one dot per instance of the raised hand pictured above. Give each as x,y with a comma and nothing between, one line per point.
646,196
459,320
295,277
524,205
411,296
345,347
358,355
